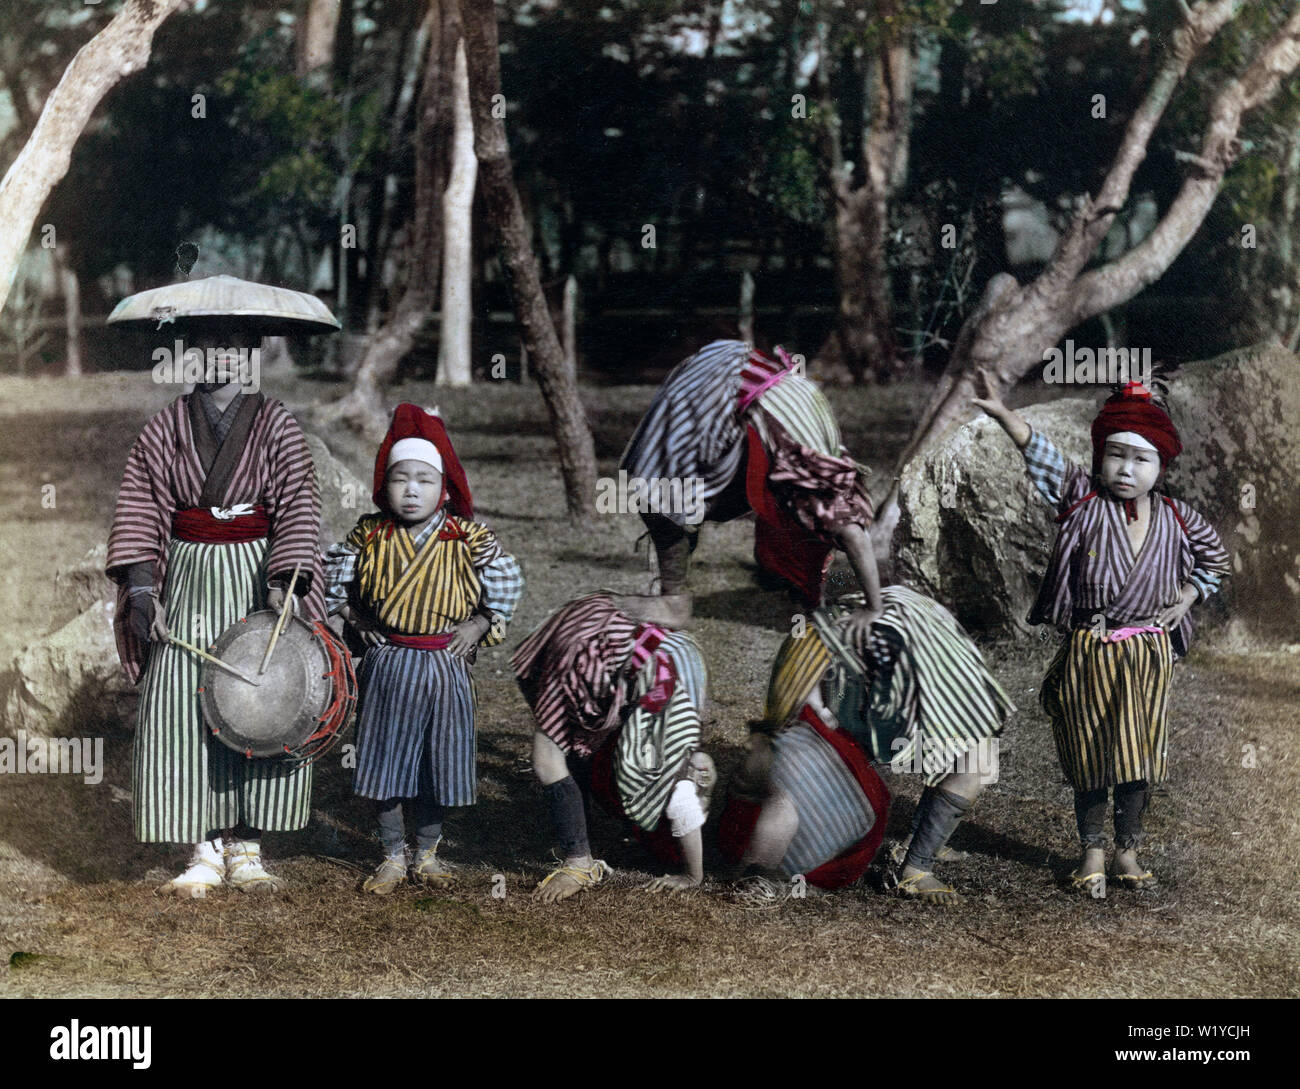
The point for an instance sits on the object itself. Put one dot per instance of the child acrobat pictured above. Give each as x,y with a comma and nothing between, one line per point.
1127,565
620,687
742,431
424,586
807,800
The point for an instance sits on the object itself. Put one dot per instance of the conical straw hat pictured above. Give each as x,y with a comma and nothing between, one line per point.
268,309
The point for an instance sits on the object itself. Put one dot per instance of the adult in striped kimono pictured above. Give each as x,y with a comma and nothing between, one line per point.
425,585
738,430
625,692
918,695
218,505
1127,565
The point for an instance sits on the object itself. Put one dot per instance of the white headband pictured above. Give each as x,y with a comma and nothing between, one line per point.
415,449
1132,438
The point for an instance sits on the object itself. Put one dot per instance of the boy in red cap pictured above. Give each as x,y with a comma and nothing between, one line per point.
1127,565
424,586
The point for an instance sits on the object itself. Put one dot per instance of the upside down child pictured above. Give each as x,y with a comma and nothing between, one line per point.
806,799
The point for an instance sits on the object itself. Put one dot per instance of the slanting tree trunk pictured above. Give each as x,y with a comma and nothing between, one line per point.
115,52
863,338
557,381
1014,325
316,34
458,230
363,408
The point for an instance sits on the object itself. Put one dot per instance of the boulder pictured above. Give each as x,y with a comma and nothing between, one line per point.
344,495
68,682
975,534
78,586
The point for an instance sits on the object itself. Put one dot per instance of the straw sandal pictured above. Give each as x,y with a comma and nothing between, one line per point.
1134,880
429,869
1088,883
586,876
201,874
390,874
907,889
244,870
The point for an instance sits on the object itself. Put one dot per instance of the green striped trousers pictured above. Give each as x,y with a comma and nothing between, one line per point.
186,784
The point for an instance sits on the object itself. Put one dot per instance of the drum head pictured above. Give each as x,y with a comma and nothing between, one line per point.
282,711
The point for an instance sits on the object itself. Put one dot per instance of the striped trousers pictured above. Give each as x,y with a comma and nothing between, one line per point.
416,709
186,784
834,813
1108,704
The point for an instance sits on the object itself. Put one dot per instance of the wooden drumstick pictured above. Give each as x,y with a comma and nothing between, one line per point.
285,609
214,660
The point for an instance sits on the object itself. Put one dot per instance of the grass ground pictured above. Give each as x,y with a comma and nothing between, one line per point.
78,915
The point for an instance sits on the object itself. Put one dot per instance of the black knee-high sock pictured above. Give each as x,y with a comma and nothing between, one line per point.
1130,803
938,814
568,819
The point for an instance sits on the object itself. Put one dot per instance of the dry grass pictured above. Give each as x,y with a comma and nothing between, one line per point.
76,893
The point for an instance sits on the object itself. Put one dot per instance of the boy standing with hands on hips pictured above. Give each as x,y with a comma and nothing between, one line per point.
1127,566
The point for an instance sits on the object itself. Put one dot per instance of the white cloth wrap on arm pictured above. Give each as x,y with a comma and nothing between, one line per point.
685,813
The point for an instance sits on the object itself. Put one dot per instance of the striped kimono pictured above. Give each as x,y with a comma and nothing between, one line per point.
186,785
1107,690
415,712
730,409
601,683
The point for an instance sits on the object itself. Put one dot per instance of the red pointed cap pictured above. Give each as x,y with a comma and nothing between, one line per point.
412,422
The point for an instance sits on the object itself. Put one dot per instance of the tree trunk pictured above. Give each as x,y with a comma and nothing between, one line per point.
70,289
363,408
457,220
864,330
558,383
316,34
119,49
1014,325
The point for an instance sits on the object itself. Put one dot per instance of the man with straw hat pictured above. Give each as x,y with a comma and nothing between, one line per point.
218,508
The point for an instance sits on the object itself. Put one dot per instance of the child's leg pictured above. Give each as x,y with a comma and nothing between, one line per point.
673,547
568,821
1090,816
939,811
427,814
392,835
775,829
1130,803
392,826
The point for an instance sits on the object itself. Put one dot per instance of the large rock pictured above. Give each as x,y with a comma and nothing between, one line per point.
974,533
68,682
344,496
78,586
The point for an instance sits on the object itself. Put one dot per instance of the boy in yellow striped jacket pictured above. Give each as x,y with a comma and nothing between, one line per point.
424,586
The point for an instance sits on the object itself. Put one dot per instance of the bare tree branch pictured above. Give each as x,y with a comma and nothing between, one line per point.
122,47
1106,287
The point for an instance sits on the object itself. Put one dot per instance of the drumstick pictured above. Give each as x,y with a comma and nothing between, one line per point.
214,660
285,609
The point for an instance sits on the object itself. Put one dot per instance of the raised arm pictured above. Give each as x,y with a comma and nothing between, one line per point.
1056,479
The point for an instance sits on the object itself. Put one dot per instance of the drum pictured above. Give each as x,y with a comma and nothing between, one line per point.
302,701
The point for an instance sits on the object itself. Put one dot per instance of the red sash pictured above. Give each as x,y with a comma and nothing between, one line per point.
421,642
200,526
